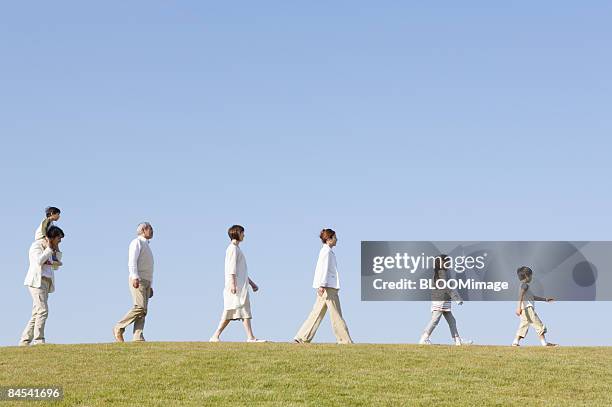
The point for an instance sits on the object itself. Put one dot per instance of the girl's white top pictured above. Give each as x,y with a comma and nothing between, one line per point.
326,273
235,264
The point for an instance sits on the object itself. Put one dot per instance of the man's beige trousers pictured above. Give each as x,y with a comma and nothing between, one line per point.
34,331
138,312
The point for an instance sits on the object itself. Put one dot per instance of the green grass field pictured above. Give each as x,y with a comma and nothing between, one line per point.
236,374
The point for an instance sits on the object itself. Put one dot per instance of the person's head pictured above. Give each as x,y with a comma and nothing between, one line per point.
52,213
524,274
328,237
236,232
145,230
54,236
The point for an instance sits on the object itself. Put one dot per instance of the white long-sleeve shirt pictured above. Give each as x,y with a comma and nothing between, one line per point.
39,254
326,272
140,259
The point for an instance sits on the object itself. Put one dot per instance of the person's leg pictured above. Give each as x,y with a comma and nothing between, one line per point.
139,322
222,325
248,329
539,327
335,313
310,326
137,310
28,333
522,329
435,318
41,313
452,324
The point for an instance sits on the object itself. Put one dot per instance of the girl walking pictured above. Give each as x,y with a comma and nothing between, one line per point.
441,305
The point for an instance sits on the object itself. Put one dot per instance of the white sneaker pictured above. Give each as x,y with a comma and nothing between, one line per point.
461,342
213,339
256,340
424,341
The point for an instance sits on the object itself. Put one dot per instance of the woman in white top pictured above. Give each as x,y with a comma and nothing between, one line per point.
441,305
327,284
236,304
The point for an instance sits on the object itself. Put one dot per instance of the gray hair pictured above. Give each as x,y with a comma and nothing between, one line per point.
142,226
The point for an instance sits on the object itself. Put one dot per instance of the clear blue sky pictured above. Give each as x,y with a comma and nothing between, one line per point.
386,121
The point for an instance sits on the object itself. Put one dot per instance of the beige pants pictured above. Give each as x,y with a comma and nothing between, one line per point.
138,312
330,300
35,328
529,317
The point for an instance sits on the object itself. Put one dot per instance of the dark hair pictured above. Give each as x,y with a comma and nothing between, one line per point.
523,272
51,210
327,234
235,231
54,232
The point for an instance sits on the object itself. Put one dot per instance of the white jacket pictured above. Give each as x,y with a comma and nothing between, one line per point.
39,255
326,272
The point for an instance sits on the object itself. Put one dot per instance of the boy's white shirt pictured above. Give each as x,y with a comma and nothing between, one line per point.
235,264
39,255
326,271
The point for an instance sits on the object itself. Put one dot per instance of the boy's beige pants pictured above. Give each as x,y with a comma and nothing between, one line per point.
137,314
529,316
330,300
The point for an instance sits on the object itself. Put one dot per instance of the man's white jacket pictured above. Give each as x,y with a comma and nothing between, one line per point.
39,255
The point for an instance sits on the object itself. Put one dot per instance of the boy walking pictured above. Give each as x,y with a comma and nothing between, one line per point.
526,309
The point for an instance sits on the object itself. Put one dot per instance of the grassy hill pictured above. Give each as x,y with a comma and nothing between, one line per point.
224,374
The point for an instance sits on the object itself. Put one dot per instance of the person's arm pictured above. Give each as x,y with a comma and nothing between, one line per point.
519,307
254,286
323,272
545,299
231,264
42,256
58,258
455,296
453,293
133,254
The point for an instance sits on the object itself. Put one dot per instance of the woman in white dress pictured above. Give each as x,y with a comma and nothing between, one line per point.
236,304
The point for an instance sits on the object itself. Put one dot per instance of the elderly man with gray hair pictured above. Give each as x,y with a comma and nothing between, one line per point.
140,265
